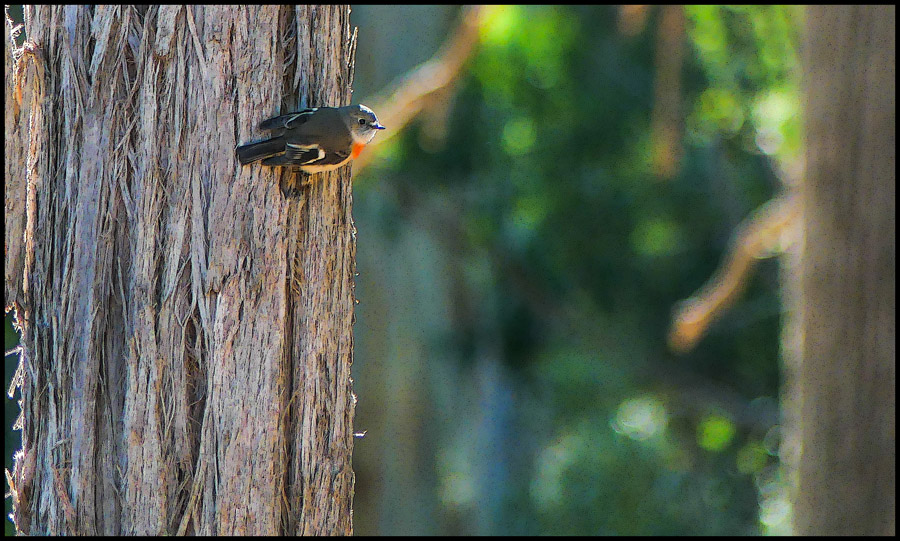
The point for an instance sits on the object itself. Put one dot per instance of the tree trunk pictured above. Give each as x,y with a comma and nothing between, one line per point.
845,308
186,330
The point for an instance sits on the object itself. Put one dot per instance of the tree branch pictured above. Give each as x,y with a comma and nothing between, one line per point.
757,239
417,89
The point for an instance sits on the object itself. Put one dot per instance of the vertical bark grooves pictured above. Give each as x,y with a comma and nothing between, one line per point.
171,382
19,101
846,381
323,264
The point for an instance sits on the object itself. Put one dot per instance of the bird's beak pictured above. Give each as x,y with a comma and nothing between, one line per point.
377,126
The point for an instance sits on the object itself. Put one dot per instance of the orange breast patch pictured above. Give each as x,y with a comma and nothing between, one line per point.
357,148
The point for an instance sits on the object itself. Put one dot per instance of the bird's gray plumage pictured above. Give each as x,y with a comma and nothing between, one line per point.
317,139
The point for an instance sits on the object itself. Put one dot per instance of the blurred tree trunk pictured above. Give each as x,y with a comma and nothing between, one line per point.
845,386
186,330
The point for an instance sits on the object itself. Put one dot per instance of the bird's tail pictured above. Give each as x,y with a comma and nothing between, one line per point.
252,152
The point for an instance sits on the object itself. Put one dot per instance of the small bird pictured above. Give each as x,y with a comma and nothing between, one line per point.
316,140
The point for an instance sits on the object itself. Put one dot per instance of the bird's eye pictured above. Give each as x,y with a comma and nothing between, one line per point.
362,121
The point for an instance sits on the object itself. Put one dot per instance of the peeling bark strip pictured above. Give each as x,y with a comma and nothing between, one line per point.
186,330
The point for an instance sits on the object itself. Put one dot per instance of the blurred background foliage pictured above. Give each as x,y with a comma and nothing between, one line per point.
521,249
519,261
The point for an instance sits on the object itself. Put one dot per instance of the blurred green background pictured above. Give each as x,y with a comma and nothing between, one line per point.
520,258
518,272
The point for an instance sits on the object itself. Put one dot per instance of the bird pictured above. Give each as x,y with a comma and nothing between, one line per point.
315,140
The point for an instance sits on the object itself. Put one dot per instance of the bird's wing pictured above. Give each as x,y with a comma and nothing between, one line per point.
295,154
286,121
335,157
312,156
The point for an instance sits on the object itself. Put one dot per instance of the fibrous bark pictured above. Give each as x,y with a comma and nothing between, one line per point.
186,330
